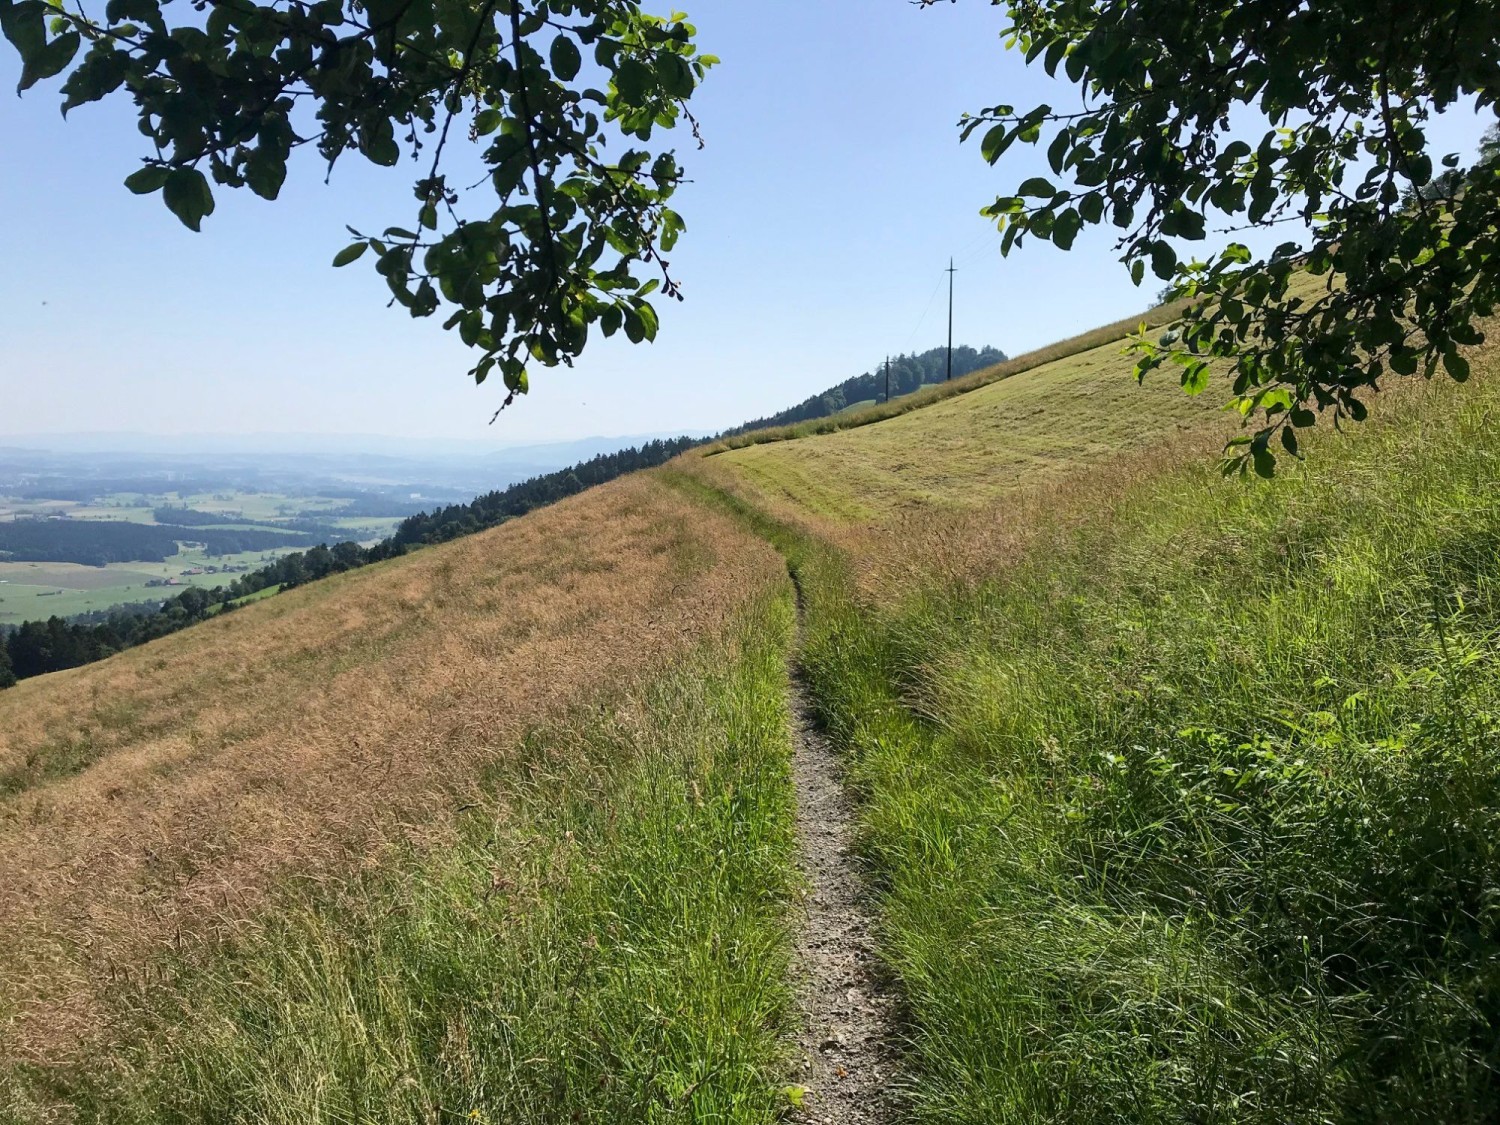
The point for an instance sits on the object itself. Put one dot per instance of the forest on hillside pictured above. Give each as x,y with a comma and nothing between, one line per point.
907,374
38,647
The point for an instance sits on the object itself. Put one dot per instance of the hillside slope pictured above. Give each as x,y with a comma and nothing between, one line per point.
1180,795
1177,797
158,796
1042,423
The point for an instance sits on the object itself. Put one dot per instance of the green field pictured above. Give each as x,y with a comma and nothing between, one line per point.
1180,795
31,591
254,507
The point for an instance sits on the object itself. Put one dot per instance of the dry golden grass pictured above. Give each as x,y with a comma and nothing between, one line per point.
168,788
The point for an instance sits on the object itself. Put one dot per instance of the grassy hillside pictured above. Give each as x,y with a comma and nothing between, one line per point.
1180,801
1028,421
1179,797
155,803
603,941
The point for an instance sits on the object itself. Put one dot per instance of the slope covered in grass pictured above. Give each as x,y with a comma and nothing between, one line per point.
1182,803
152,801
603,941
1037,424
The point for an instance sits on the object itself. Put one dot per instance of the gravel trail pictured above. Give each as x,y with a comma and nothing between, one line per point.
846,1064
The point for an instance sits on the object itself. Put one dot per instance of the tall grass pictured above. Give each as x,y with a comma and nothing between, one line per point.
1192,813
605,943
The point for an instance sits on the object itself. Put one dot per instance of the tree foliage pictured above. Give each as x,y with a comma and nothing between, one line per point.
1205,119
563,100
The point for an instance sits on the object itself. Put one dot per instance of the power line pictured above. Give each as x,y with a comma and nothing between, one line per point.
936,285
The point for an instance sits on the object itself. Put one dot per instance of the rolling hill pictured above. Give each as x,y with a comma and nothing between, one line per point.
1173,797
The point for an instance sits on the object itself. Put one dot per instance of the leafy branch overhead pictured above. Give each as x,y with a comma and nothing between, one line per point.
566,229
1208,119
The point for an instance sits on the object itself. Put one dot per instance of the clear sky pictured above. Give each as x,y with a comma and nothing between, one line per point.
821,217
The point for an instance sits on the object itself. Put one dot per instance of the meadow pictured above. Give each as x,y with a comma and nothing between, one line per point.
302,736
1042,422
1176,796
33,591
1179,794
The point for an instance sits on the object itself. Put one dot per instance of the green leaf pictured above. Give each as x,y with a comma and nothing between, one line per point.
1265,461
675,75
50,60
187,195
102,72
1163,260
350,253
995,142
632,80
1037,186
486,121
565,58
25,25
1195,377
119,11
383,151
1065,229
147,179
265,172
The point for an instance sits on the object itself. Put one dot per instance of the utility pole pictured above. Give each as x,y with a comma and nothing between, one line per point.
950,318
887,378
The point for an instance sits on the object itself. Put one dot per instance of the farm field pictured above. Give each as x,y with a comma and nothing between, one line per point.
31,591
138,506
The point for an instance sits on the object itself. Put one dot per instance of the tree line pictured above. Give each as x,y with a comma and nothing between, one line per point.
908,372
37,647
99,542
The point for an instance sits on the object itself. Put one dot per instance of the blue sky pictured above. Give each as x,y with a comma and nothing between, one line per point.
823,211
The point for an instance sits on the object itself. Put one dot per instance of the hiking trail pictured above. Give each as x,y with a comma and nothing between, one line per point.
846,1064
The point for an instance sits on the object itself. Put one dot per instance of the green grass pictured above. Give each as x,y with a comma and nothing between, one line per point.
1040,421
36,591
259,595
865,414
606,942
1192,812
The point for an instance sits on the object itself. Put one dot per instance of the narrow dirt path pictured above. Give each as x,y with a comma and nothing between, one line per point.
846,1062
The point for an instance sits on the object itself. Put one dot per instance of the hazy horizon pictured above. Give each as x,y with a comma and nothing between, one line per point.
291,442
